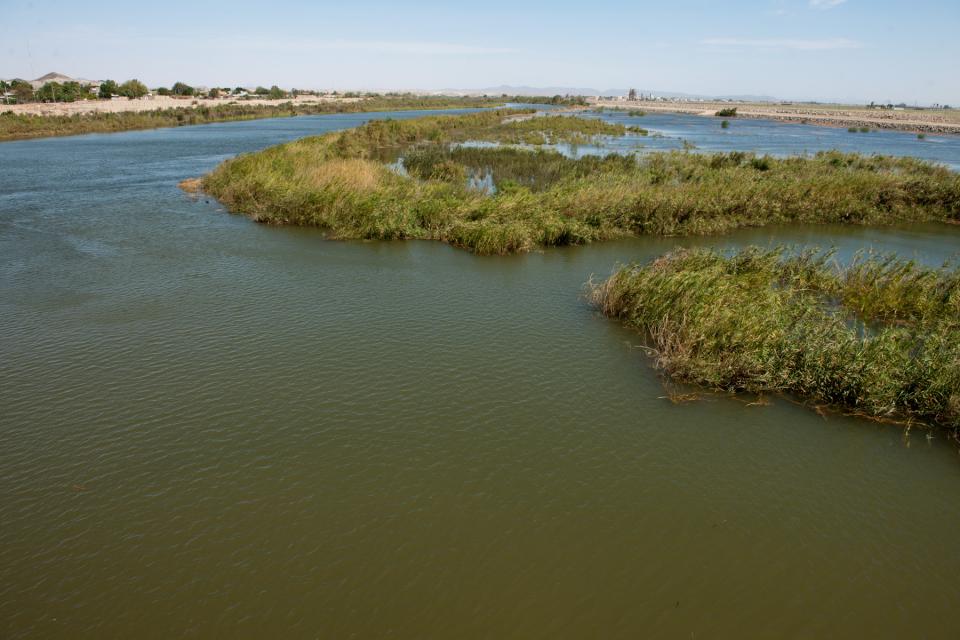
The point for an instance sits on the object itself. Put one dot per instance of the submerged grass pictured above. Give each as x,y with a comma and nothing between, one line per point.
879,337
341,182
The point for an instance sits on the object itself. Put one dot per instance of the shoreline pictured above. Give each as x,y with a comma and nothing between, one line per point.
153,103
909,120
32,121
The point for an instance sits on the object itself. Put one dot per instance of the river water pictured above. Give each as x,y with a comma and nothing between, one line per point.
214,428
669,131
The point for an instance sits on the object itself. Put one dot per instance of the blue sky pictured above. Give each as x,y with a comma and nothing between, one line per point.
818,49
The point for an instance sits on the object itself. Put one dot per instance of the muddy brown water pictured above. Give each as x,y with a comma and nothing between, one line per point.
213,428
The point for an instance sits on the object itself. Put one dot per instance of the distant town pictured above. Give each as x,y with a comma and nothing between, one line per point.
57,87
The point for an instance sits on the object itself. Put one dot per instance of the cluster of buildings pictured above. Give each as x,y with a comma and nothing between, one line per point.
652,97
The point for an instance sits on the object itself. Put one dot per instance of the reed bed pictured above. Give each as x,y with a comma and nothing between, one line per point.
536,170
543,198
879,337
552,130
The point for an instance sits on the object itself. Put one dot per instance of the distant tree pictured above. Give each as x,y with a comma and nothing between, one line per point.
238,90
262,91
182,89
56,92
72,91
133,89
107,89
163,91
47,93
276,93
22,90
632,94
214,93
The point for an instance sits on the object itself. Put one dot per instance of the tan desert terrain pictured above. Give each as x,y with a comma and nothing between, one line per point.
149,104
918,120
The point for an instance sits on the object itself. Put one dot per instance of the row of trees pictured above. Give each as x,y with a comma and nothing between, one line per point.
129,89
23,91
183,89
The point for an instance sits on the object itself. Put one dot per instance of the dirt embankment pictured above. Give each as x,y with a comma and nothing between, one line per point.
940,121
150,104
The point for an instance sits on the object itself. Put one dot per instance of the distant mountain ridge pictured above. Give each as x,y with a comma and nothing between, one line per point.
523,90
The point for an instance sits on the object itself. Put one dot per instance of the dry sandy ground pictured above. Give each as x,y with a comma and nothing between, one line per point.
147,104
924,121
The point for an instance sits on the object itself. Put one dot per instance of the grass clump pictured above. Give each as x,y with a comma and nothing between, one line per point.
879,337
725,124
537,130
543,198
728,112
511,166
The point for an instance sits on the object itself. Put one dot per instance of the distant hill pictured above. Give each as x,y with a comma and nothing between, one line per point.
55,76
524,90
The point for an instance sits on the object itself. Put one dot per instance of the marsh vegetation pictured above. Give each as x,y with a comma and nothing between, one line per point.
878,337
343,182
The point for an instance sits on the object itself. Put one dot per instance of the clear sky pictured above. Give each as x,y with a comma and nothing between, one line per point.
858,50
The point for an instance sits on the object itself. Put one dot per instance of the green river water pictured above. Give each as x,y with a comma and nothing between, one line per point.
213,428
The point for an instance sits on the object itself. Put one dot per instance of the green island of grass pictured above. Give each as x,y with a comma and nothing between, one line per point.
417,179
879,337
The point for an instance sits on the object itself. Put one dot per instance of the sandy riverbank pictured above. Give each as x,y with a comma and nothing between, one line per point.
151,104
917,120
